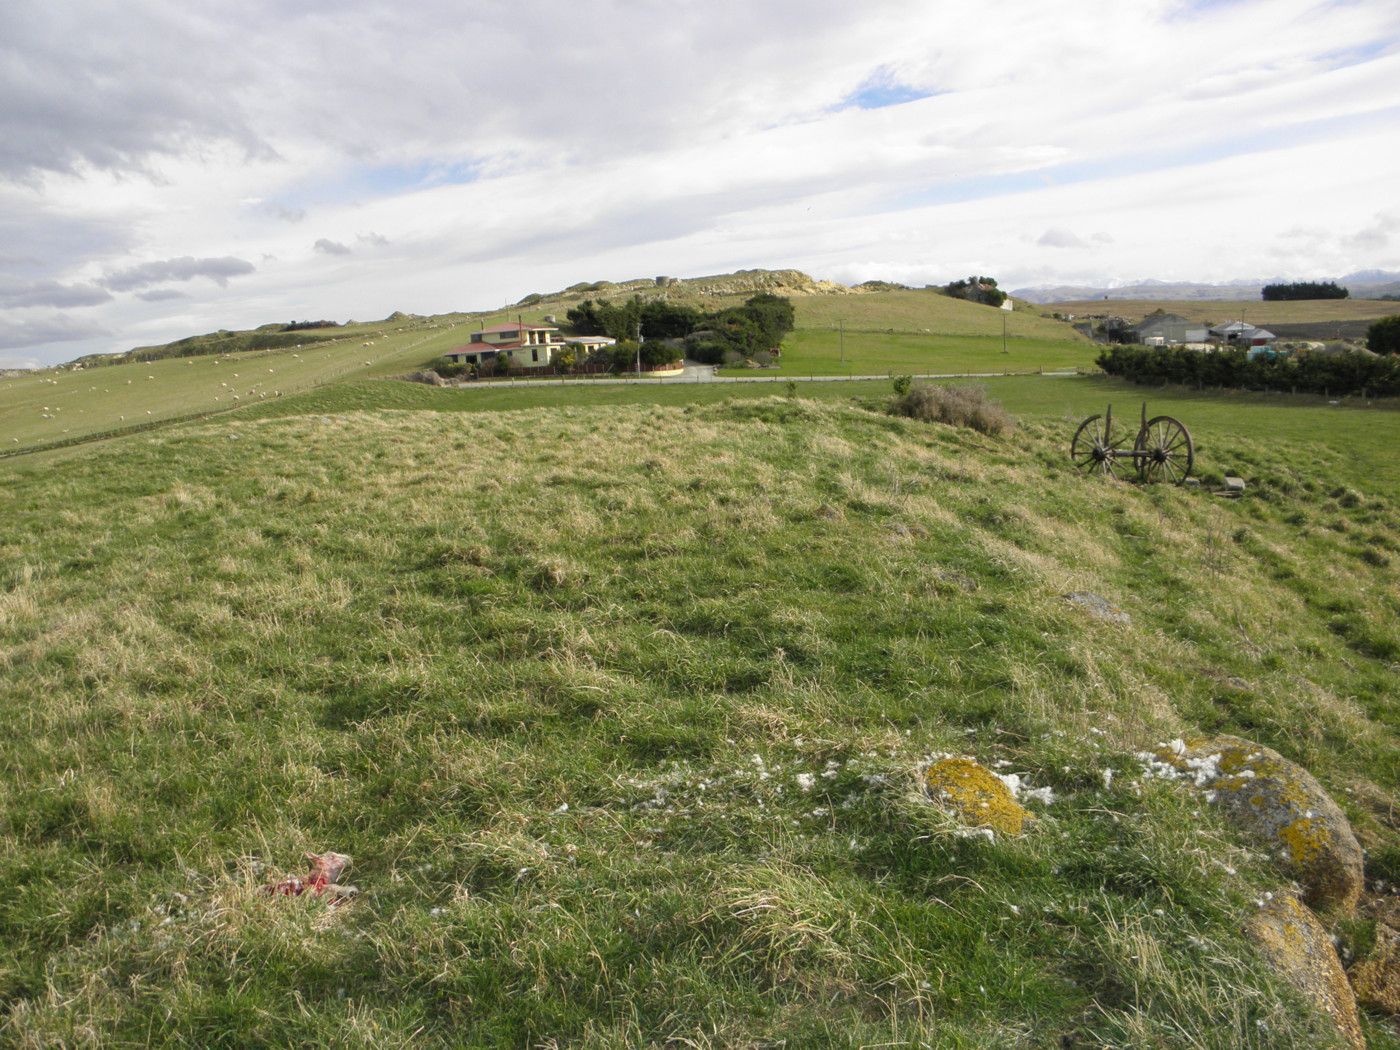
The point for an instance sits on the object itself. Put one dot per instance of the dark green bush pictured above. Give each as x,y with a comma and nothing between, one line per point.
1383,337
449,369
1332,374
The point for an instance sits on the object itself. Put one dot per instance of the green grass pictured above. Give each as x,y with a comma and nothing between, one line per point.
925,313
53,406
1360,437
550,674
826,353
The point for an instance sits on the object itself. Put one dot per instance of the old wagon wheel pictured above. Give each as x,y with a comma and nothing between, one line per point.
1095,448
1165,450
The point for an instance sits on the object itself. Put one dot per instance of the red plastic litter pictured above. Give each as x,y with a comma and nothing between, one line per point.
321,881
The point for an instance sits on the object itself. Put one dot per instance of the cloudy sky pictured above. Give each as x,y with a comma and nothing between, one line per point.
176,166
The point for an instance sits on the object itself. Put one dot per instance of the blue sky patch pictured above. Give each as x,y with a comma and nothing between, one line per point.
881,89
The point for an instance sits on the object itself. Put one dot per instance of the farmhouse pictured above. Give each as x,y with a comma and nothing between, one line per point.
525,345
1239,333
1160,328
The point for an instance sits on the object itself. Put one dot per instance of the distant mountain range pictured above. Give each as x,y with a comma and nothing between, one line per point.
1363,284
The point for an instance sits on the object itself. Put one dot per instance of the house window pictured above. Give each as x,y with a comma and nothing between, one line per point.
534,355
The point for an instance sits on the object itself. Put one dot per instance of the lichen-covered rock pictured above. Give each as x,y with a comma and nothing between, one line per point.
1376,980
976,796
1279,803
1097,606
1300,951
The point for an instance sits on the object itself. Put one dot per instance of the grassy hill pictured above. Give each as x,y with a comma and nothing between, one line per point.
619,705
887,331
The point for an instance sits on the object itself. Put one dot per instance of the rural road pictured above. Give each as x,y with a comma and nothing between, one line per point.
697,373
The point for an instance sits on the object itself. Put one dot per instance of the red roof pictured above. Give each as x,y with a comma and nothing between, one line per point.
481,348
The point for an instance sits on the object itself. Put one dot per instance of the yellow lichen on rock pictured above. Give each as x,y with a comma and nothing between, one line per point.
1282,805
1300,951
975,795
1376,980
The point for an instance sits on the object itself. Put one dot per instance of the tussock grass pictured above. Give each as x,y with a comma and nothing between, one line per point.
618,710
958,406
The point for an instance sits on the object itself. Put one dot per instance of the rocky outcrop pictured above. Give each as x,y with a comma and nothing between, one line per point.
1376,979
1278,803
976,796
1097,606
1300,951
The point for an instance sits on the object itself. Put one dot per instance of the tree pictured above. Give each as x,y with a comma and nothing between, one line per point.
622,357
584,318
667,320
1383,337
982,290
566,356
1273,293
656,353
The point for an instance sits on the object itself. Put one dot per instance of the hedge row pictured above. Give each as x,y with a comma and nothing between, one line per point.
1331,374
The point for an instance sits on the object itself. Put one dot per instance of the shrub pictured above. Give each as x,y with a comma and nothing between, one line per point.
1312,373
623,356
425,376
656,352
1383,337
449,369
902,385
733,359
959,406
763,359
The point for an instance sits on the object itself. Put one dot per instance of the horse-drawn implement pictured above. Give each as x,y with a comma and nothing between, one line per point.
1161,451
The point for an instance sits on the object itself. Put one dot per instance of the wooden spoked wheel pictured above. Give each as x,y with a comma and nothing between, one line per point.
1164,450
1095,448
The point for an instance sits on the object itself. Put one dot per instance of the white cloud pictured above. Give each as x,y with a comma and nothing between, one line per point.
674,138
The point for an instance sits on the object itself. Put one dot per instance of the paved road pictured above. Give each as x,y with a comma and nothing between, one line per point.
697,373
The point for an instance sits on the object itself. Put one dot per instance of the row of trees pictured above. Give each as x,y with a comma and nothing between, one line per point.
1276,293
1332,374
757,327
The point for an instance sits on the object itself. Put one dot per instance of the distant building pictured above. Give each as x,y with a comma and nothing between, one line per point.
1160,328
592,342
1007,304
525,345
1239,333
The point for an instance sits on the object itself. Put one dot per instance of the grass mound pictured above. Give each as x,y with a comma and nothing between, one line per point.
625,745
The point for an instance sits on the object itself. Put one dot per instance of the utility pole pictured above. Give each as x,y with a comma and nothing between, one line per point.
1003,332
639,348
842,341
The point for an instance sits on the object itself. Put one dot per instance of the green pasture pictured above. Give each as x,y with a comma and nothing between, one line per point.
820,352
619,701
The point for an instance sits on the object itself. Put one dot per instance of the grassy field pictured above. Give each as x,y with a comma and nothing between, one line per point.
925,313
617,697
1255,311
824,353
55,405
1359,437
51,405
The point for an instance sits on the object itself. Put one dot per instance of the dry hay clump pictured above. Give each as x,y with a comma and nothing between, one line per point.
959,406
